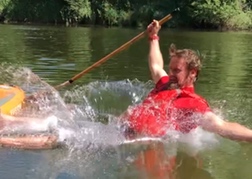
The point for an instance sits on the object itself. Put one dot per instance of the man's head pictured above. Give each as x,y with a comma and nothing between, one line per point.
184,66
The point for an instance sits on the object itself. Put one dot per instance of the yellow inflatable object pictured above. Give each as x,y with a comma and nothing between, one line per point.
11,99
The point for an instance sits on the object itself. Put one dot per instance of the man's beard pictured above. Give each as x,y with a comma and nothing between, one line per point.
173,83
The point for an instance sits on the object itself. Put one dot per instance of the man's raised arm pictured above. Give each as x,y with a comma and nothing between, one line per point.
156,63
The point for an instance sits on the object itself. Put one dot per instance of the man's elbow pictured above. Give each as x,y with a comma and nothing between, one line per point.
212,123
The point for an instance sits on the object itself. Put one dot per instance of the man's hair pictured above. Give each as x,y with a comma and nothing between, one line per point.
193,59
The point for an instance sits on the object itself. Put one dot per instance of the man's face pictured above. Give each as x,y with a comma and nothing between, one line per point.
179,72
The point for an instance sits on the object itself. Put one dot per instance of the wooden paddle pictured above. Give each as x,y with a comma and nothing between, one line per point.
104,59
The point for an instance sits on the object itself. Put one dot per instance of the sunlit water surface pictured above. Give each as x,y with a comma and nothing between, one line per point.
87,111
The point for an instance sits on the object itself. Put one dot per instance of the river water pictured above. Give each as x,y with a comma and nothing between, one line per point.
95,147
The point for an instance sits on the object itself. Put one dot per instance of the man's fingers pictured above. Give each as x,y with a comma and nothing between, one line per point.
155,24
150,27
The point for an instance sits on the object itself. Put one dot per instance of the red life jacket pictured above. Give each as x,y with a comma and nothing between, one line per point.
168,109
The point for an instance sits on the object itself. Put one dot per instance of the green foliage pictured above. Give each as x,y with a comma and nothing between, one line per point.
221,14
228,14
75,10
110,13
31,11
3,4
242,20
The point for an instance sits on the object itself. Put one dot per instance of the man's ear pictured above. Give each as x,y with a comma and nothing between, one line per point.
172,50
194,73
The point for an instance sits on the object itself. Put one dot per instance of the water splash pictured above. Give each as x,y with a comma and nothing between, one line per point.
97,110
30,126
43,108
87,124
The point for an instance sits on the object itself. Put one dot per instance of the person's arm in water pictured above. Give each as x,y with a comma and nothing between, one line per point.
27,141
30,142
156,63
212,123
9,118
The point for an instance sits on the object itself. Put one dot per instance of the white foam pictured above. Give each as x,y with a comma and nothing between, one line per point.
141,140
197,140
46,124
31,125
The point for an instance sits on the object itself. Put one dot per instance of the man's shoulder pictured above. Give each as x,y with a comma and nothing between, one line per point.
192,101
193,96
199,98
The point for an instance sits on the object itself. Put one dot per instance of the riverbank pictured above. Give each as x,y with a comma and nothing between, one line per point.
76,25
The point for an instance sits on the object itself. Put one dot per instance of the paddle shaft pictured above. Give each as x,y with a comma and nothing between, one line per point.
104,59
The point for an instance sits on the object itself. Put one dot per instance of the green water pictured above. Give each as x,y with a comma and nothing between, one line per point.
58,53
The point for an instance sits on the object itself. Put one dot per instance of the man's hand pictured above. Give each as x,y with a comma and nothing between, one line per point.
153,28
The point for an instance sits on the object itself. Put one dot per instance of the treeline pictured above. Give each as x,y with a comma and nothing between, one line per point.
224,14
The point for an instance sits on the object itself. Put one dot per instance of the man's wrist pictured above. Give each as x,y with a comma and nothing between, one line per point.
153,37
